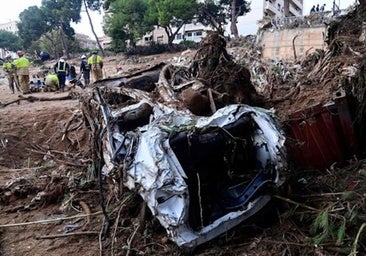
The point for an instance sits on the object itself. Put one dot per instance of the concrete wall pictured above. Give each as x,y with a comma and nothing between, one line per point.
278,43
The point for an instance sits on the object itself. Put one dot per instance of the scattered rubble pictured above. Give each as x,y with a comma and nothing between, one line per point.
146,133
202,159
202,169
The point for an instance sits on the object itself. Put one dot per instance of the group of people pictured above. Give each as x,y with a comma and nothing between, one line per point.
18,72
317,8
62,69
321,9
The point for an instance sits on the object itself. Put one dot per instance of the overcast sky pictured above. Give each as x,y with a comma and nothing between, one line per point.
10,10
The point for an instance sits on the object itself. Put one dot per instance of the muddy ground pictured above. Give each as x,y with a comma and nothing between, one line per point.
50,199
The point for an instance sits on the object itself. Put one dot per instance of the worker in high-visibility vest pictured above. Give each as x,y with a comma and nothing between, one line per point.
51,82
95,64
62,70
22,65
9,68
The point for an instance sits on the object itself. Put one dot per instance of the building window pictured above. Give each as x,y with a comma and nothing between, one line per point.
160,38
179,36
189,34
148,38
199,33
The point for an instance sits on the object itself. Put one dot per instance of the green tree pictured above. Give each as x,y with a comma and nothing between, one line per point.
217,13
51,16
107,4
59,16
9,41
171,15
211,13
126,21
51,43
32,25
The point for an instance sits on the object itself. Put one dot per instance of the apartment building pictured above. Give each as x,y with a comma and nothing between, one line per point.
10,26
158,35
273,9
105,41
85,41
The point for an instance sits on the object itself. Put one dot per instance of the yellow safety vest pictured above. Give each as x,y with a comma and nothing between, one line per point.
22,62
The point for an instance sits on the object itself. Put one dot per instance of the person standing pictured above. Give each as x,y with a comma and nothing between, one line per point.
72,72
335,9
95,64
22,65
9,68
62,70
322,8
312,9
85,70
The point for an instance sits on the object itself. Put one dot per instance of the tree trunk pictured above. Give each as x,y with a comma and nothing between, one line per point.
234,19
213,22
92,28
172,35
53,45
65,50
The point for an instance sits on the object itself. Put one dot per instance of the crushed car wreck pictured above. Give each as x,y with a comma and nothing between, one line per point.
200,175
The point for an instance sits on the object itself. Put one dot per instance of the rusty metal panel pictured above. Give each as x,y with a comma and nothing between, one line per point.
322,135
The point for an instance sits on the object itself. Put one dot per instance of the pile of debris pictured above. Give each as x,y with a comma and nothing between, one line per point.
321,104
189,142
319,97
194,142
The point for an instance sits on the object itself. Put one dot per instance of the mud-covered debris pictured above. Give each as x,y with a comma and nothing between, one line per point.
217,70
201,159
200,176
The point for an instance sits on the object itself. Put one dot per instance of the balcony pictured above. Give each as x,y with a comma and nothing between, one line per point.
297,3
294,12
271,9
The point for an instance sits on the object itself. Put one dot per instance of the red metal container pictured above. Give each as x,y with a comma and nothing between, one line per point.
322,135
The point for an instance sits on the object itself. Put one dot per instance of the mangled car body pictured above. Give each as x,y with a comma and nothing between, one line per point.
200,175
